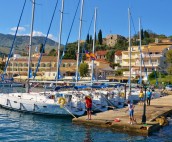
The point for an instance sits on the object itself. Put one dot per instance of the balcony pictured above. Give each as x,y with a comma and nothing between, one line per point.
152,55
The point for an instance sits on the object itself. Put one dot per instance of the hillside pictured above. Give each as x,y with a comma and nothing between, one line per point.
21,43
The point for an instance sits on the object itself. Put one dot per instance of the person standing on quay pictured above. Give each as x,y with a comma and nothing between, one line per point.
88,103
141,96
131,112
148,96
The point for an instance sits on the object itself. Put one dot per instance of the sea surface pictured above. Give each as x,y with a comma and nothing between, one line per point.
22,127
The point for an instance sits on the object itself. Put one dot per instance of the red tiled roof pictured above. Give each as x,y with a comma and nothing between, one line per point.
118,53
101,52
44,59
156,48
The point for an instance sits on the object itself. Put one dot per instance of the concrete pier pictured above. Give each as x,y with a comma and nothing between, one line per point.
159,107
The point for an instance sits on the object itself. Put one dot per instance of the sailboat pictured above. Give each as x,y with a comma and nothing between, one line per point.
46,103
98,100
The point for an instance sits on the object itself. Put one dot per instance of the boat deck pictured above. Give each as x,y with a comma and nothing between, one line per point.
159,107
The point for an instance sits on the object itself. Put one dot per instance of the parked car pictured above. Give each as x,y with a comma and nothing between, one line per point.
168,87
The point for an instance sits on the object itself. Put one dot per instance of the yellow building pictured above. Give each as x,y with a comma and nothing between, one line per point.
153,57
48,68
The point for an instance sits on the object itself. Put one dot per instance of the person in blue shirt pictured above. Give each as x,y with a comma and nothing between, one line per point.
148,96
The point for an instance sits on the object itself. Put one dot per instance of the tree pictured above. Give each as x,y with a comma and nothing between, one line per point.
169,60
110,55
88,38
100,37
169,70
83,69
142,34
91,39
118,72
40,48
95,38
146,34
121,45
169,56
153,75
52,52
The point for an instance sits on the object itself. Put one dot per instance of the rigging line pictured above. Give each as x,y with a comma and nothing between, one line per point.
11,50
142,60
64,49
90,24
83,48
133,24
40,57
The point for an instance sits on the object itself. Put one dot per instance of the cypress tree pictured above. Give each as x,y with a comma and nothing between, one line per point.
91,39
100,37
88,39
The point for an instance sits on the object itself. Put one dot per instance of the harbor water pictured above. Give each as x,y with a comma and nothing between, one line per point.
16,126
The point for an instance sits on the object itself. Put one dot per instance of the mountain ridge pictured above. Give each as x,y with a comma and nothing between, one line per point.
21,42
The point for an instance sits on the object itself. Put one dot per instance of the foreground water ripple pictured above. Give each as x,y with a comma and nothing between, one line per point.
16,127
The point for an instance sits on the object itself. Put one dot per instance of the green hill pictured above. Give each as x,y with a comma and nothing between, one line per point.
21,43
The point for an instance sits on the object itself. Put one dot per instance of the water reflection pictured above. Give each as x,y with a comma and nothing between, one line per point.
88,137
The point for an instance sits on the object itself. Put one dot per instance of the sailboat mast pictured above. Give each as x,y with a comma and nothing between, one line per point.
79,38
140,41
60,33
129,30
95,18
30,43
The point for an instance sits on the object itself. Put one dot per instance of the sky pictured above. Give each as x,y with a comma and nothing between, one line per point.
112,17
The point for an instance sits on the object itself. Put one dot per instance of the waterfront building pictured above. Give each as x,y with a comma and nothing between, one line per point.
153,57
48,68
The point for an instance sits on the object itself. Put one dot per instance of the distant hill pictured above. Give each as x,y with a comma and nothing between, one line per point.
21,43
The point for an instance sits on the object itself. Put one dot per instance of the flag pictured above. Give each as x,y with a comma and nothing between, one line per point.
87,54
92,56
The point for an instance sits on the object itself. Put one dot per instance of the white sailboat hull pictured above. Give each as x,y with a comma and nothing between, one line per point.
34,103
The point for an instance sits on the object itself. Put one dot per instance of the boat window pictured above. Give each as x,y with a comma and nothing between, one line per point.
59,95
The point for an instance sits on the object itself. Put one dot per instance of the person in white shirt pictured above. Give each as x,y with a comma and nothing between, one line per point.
130,108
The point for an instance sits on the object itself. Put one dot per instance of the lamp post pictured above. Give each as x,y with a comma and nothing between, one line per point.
144,107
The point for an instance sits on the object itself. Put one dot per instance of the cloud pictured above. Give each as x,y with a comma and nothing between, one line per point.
20,29
38,33
50,36
35,33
